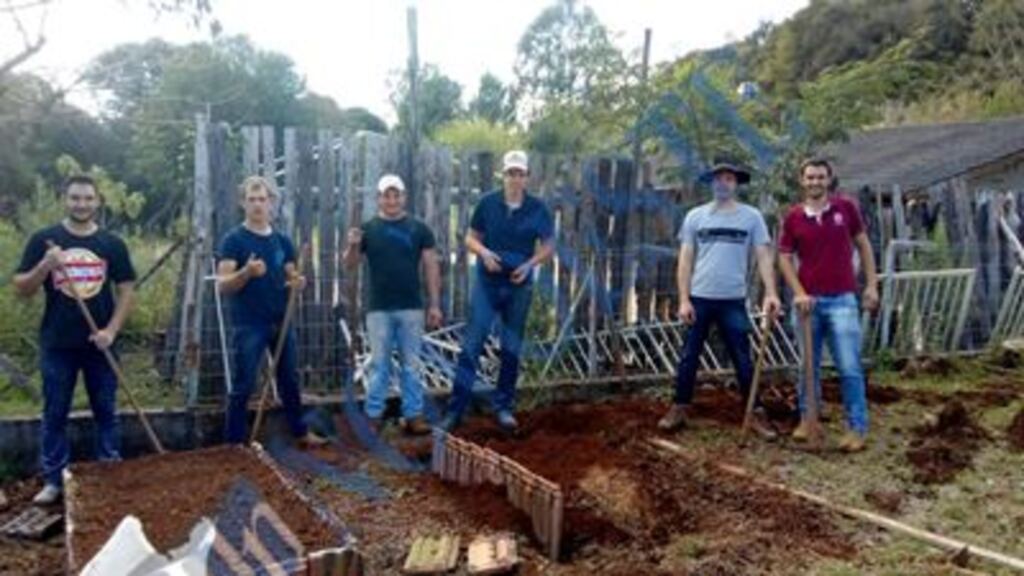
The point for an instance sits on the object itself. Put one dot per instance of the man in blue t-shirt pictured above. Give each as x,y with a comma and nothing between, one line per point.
257,268
716,241
511,234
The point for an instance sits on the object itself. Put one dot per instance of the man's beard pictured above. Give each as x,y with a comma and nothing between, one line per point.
80,217
815,191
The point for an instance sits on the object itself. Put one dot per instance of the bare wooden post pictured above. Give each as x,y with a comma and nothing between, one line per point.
414,120
327,206
192,318
461,280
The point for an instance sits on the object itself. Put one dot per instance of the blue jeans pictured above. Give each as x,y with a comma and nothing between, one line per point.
836,320
387,330
251,345
60,370
730,316
489,301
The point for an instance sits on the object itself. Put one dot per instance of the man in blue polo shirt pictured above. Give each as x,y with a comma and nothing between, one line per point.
511,233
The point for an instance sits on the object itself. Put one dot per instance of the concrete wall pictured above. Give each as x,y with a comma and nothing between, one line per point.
188,430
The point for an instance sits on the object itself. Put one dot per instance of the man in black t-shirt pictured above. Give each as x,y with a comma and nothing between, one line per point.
395,245
96,262
257,267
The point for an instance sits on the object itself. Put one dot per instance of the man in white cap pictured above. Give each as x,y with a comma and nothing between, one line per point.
396,246
511,234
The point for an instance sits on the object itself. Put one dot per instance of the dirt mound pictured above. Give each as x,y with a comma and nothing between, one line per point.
622,491
945,445
928,366
890,501
1015,432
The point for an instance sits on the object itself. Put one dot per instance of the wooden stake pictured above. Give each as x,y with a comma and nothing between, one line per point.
766,327
282,337
816,435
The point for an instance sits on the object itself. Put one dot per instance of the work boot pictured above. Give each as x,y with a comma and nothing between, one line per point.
852,442
674,419
507,422
312,440
48,496
760,425
417,426
802,432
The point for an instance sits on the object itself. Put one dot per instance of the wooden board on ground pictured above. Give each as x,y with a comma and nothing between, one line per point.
34,524
432,555
495,554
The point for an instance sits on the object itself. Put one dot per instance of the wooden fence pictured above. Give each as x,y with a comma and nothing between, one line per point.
328,183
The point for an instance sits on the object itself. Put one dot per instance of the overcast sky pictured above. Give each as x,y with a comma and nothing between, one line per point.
349,49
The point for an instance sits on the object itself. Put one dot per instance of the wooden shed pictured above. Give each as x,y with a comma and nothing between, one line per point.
959,185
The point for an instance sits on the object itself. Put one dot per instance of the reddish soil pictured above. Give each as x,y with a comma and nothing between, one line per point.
621,492
26,557
170,494
946,445
1015,433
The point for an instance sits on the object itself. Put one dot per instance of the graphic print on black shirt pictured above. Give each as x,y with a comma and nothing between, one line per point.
95,263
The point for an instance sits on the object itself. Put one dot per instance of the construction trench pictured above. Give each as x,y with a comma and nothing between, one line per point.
584,488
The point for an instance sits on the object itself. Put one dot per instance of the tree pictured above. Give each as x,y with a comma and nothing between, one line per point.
199,11
999,37
440,100
37,127
477,134
566,56
155,91
494,102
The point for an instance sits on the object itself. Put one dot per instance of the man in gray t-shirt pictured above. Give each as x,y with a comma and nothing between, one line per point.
716,241
722,238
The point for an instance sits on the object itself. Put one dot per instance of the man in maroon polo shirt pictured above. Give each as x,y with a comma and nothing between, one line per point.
821,233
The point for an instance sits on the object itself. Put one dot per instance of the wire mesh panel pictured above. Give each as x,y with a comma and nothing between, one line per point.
1010,321
922,312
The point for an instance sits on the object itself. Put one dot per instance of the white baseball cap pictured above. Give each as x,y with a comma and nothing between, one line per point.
515,159
389,181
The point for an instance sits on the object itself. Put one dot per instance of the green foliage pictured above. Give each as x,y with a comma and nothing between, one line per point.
852,95
494,102
579,91
478,134
439,101
566,56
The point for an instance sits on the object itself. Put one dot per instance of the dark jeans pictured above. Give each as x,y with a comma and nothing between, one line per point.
490,300
730,316
251,344
60,370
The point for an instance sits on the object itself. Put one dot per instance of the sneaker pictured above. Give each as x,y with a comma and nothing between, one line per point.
417,426
48,496
759,424
674,419
507,421
852,442
312,440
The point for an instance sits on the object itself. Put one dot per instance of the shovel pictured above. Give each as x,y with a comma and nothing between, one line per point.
815,432
111,361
